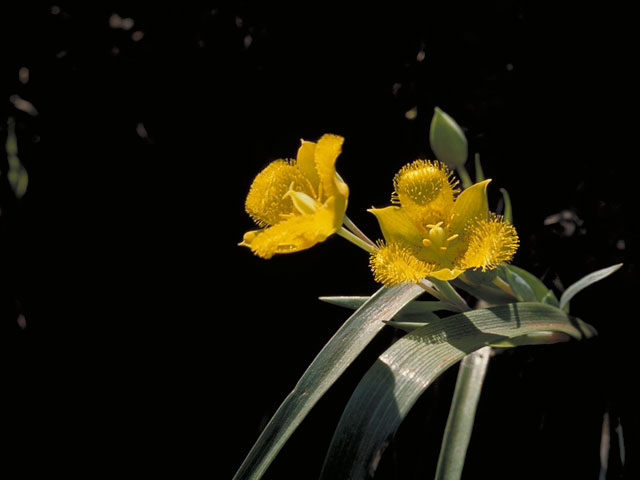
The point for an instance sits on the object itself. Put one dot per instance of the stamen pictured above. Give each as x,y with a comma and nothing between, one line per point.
426,242
301,201
452,238
437,225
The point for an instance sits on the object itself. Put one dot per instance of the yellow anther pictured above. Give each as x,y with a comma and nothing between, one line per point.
426,242
452,238
437,225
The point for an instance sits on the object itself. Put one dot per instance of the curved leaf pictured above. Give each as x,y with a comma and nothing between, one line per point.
511,273
390,388
462,413
520,286
415,307
487,292
585,281
352,337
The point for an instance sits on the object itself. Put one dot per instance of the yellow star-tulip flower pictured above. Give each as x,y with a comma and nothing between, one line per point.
298,203
435,231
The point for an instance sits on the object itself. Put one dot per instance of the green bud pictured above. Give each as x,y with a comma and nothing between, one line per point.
447,139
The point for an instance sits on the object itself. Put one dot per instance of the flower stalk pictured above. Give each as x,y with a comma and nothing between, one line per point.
357,240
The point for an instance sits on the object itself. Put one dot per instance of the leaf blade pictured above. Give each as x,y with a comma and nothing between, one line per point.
585,281
400,375
352,337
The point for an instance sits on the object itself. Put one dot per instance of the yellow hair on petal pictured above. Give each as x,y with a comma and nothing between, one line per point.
425,189
394,264
267,201
491,242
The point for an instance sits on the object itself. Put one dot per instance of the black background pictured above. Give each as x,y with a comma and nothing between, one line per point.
154,344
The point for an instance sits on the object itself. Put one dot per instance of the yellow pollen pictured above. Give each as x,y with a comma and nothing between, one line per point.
437,240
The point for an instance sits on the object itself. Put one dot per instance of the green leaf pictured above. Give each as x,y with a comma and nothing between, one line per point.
457,432
478,277
585,281
486,292
541,293
519,286
533,338
17,174
447,139
415,307
479,172
508,209
407,326
392,385
352,337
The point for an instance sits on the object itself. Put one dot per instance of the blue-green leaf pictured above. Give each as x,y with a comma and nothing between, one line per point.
508,209
352,337
393,384
482,291
415,307
17,174
520,287
585,281
516,274
479,171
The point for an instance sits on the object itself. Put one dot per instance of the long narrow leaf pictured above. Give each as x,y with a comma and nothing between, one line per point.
457,432
354,335
585,281
415,307
390,388
542,293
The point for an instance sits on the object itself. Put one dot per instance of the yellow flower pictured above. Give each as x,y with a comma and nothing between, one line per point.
298,203
435,231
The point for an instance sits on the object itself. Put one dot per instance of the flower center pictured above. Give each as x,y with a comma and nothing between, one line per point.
437,239
303,203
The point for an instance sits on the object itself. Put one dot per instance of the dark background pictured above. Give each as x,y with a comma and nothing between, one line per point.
144,329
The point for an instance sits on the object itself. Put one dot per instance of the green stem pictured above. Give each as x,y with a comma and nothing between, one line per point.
450,295
504,286
344,233
355,230
457,433
428,287
464,177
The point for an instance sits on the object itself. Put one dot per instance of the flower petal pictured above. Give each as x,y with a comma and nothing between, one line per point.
306,162
471,204
397,226
326,153
447,274
491,242
425,189
291,235
267,202
395,263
